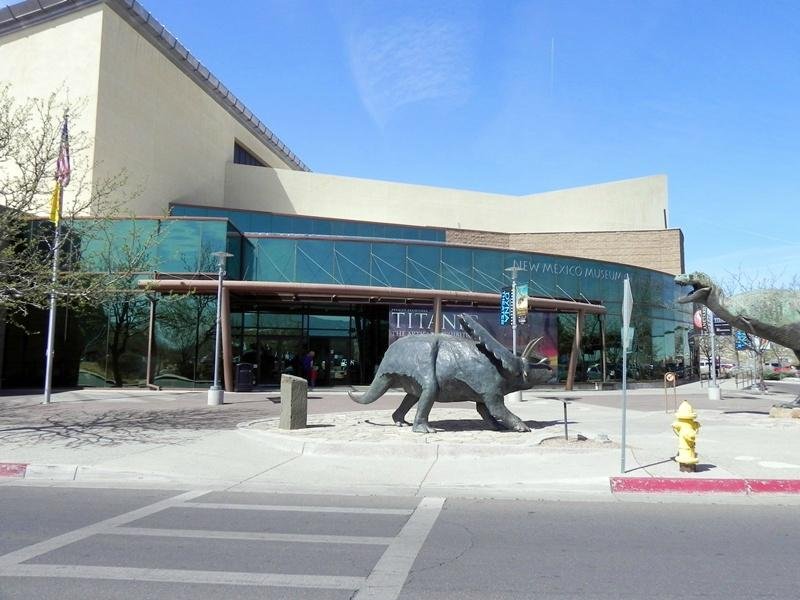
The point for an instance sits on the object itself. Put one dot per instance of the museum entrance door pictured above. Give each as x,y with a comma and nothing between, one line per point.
347,341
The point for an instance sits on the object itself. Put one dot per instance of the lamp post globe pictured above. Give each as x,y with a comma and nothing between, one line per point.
216,394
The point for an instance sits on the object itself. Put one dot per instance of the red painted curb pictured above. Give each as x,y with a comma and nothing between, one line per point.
687,485
13,469
773,486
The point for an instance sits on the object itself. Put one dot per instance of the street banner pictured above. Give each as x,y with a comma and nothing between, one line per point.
522,303
506,308
742,343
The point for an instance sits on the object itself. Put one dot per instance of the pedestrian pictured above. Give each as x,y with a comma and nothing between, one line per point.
309,369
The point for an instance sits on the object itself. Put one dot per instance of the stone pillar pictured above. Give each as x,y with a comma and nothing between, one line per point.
294,402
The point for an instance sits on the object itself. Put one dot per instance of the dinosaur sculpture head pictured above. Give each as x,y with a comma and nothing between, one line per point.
526,370
701,286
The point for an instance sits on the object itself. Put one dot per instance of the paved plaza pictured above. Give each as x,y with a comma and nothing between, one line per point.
154,438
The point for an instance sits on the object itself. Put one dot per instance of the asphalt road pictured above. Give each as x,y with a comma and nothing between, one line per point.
70,543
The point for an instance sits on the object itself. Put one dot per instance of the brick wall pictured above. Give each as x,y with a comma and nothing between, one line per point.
661,250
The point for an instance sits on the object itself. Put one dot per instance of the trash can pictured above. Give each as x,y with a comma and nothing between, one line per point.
243,379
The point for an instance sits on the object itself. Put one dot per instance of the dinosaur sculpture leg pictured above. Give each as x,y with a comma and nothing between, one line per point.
426,400
399,416
499,411
487,416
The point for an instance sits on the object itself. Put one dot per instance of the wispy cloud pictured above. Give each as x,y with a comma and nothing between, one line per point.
410,61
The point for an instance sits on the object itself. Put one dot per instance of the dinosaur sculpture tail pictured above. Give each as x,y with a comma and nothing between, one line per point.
377,389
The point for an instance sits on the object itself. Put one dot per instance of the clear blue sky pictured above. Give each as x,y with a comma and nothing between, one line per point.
524,97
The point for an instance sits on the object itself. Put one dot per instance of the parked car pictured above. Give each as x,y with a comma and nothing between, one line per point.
780,369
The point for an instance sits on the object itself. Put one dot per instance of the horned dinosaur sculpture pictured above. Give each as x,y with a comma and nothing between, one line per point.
445,368
771,314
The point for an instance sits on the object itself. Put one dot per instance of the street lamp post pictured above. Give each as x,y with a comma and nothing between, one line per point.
216,395
513,270
514,396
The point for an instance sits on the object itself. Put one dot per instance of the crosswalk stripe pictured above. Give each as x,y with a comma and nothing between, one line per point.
252,536
386,580
286,508
59,541
184,576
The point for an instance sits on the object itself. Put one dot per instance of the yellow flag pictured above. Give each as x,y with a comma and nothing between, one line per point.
55,204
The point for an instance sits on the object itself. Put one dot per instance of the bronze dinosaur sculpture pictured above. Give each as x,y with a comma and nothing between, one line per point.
444,368
771,314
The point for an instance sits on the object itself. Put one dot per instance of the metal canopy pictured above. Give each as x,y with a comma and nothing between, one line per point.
357,294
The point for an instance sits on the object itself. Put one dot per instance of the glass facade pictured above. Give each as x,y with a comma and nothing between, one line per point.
252,221
348,340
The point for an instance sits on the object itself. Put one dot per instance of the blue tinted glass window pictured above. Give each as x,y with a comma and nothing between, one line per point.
315,261
457,269
388,265
118,245
340,228
488,271
247,267
351,262
329,325
321,227
423,269
213,236
179,250
274,259
281,224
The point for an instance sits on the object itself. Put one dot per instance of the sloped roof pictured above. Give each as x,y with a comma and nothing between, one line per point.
28,13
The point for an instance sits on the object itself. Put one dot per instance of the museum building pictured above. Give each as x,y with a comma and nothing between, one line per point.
338,265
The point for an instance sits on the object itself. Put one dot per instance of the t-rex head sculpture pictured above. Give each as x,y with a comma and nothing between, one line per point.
701,283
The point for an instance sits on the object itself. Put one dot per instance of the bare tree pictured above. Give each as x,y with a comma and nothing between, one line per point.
188,319
777,297
30,135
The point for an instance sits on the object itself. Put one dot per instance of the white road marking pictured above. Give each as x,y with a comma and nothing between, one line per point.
184,576
770,464
386,580
34,550
252,536
285,508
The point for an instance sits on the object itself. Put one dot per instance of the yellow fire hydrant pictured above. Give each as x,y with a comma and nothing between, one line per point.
685,427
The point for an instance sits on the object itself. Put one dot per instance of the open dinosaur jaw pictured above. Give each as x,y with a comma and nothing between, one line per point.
697,295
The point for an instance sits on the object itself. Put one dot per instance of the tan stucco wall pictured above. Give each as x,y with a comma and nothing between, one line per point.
60,57
633,204
140,112
158,124
661,250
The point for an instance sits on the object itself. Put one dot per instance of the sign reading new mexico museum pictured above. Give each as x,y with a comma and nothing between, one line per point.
570,270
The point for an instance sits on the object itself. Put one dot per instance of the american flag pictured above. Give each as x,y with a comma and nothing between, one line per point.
63,168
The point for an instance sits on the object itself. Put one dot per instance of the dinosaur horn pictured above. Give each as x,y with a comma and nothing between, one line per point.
529,348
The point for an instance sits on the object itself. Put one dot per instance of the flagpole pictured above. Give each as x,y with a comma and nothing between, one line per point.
51,323
63,170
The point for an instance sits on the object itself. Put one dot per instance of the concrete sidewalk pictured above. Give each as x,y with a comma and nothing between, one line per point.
159,438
